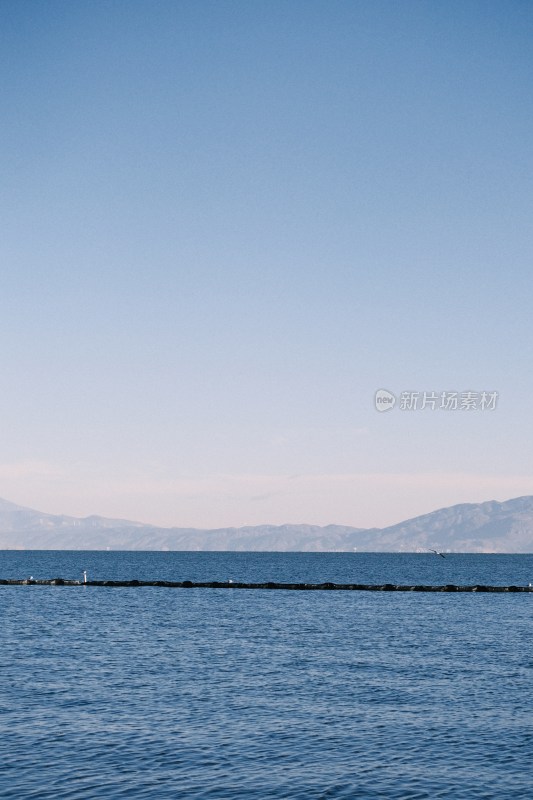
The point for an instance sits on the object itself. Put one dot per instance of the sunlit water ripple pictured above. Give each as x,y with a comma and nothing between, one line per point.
205,693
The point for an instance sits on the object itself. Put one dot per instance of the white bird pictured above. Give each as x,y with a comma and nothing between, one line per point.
437,553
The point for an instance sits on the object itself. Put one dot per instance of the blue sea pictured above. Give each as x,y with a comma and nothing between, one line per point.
216,693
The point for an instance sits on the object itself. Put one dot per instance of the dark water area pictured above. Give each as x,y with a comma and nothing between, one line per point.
162,693
403,568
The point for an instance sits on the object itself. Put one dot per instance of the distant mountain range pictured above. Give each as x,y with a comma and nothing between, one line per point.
489,527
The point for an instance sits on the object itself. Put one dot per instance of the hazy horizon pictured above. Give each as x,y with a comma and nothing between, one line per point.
266,523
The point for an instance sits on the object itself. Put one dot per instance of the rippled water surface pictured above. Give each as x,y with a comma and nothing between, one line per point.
206,693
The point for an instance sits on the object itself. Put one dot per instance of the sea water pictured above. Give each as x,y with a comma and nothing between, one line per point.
206,693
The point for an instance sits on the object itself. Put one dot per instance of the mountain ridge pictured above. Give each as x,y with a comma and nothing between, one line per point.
488,527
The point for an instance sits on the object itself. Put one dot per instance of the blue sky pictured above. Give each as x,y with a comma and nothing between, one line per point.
227,224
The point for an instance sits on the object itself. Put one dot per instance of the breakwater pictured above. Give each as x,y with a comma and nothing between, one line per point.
269,585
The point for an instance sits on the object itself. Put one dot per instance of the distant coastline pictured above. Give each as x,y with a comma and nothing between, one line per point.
489,527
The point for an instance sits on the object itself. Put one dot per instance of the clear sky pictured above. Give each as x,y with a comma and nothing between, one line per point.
226,224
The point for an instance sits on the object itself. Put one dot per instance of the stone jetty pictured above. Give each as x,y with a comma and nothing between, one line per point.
350,587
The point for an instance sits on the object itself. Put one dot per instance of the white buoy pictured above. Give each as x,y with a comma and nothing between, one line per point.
85,576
